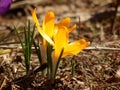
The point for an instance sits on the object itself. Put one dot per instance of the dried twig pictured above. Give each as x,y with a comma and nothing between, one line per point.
88,48
101,48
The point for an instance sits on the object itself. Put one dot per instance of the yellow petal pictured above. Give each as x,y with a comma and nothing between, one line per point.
72,28
60,39
75,47
64,22
43,34
35,17
48,23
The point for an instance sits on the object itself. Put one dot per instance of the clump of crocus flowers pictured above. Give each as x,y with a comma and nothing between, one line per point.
55,41
4,6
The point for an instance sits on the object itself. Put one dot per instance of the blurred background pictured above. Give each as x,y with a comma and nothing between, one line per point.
98,21
89,15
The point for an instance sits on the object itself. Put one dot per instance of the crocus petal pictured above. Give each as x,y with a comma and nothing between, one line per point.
60,39
75,47
43,34
48,23
4,6
64,22
72,28
35,17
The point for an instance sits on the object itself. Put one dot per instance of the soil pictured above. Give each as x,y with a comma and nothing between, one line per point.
96,67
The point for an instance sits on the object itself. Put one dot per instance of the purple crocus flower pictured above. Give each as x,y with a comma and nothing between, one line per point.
4,6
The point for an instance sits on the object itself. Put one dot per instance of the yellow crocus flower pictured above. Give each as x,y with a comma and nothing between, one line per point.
58,36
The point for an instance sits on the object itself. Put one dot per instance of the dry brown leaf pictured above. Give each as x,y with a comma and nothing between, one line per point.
2,81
